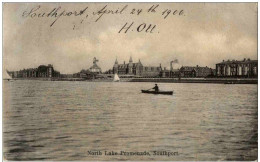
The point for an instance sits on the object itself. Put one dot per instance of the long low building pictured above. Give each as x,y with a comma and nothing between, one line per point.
188,72
234,68
42,71
195,71
135,69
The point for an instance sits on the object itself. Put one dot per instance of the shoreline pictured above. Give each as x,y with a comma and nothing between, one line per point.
158,80
200,80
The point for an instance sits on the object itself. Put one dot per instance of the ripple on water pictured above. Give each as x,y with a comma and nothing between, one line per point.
46,120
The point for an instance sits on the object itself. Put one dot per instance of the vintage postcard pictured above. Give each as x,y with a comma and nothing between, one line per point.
130,81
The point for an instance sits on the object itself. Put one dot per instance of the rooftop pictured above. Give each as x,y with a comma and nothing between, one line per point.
236,61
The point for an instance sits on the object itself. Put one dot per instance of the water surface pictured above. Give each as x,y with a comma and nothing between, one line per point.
46,120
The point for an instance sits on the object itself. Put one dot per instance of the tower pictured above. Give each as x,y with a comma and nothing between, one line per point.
139,68
130,60
95,68
139,62
130,66
49,70
95,61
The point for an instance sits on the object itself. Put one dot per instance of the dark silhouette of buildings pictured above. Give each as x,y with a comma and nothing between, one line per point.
234,68
42,71
195,71
95,68
136,69
90,73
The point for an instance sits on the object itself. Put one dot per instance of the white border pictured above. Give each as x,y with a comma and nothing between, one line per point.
1,27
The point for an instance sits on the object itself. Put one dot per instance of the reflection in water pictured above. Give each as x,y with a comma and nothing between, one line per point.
46,120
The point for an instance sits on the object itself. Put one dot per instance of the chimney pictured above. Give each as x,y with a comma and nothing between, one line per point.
244,59
197,65
164,68
223,60
124,62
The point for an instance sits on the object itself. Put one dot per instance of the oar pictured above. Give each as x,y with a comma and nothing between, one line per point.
149,89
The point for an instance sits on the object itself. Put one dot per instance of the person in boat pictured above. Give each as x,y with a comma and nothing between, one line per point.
156,88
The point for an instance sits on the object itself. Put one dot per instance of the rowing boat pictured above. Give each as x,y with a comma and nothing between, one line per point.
159,92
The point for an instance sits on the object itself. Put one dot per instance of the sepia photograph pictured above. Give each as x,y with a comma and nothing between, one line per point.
141,81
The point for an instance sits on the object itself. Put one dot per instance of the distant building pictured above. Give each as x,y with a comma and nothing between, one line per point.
234,68
66,75
136,69
85,74
47,71
173,73
76,75
187,72
42,71
90,73
195,71
110,71
95,68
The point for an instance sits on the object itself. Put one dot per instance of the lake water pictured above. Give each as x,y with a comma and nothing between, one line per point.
47,120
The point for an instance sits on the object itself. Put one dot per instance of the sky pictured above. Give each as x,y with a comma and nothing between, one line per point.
204,34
